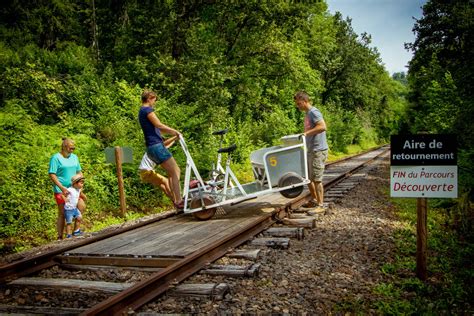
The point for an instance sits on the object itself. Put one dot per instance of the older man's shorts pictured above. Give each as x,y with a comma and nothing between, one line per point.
316,164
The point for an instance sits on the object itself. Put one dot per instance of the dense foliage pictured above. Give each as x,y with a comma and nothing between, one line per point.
77,68
441,95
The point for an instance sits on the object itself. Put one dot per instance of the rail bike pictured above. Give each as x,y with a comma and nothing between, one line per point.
282,168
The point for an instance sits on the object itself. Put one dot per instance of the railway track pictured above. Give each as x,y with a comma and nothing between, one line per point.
156,254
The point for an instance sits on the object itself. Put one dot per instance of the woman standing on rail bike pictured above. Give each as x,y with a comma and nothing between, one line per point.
152,128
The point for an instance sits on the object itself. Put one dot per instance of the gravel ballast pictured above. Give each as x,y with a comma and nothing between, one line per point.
335,267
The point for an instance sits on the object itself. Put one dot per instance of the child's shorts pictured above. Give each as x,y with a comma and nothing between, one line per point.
69,215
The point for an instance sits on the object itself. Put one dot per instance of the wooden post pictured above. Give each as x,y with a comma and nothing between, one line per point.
421,238
118,162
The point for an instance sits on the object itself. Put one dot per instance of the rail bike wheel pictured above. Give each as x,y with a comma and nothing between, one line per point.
198,201
289,179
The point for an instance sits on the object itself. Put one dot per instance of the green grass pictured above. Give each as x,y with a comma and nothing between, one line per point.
448,289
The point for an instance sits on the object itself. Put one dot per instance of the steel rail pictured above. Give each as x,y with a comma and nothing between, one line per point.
36,263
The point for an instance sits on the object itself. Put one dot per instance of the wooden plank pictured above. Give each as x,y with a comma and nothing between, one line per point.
169,246
297,215
118,261
291,232
337,191
35,310
249,254
134,236
250,270
216,232
104,246
132,247
77,267
309,222
274,242
72,284
317,211
206,234
212,291
157,240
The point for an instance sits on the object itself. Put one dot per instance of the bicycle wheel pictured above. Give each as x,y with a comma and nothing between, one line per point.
198,201
289,179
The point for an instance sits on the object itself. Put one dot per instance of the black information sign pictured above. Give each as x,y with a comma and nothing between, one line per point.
423,149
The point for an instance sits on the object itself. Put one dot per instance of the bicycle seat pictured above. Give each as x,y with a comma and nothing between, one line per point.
228,149
221,132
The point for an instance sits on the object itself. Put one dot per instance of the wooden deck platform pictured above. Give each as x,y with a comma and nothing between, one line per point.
182,235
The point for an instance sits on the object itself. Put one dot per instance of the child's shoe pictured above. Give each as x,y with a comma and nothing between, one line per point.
68,236
77,233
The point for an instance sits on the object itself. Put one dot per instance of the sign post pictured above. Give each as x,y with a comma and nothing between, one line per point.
423,166
118,162
421,238
118,156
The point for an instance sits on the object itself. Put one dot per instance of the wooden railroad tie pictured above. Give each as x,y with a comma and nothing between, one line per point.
334,195
77,267
291,232
214,291
306,222
274,242
34,310
250,270
248,254
72,284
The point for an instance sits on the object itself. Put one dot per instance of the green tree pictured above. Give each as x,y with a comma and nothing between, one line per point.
77,68
441,79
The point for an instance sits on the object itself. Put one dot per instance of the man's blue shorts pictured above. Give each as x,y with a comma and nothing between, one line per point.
69,215
158,153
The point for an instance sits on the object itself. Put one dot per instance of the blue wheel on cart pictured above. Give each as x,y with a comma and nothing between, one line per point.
288,179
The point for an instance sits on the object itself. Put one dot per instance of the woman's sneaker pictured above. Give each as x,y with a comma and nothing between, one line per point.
179,206
77,233
68,236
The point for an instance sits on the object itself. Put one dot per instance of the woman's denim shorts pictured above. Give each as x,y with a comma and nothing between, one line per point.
158,153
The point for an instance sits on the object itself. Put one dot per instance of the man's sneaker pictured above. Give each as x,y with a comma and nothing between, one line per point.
77,233
317,210
68,236
310,204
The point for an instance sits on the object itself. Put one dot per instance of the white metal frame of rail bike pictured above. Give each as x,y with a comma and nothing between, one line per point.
281,168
